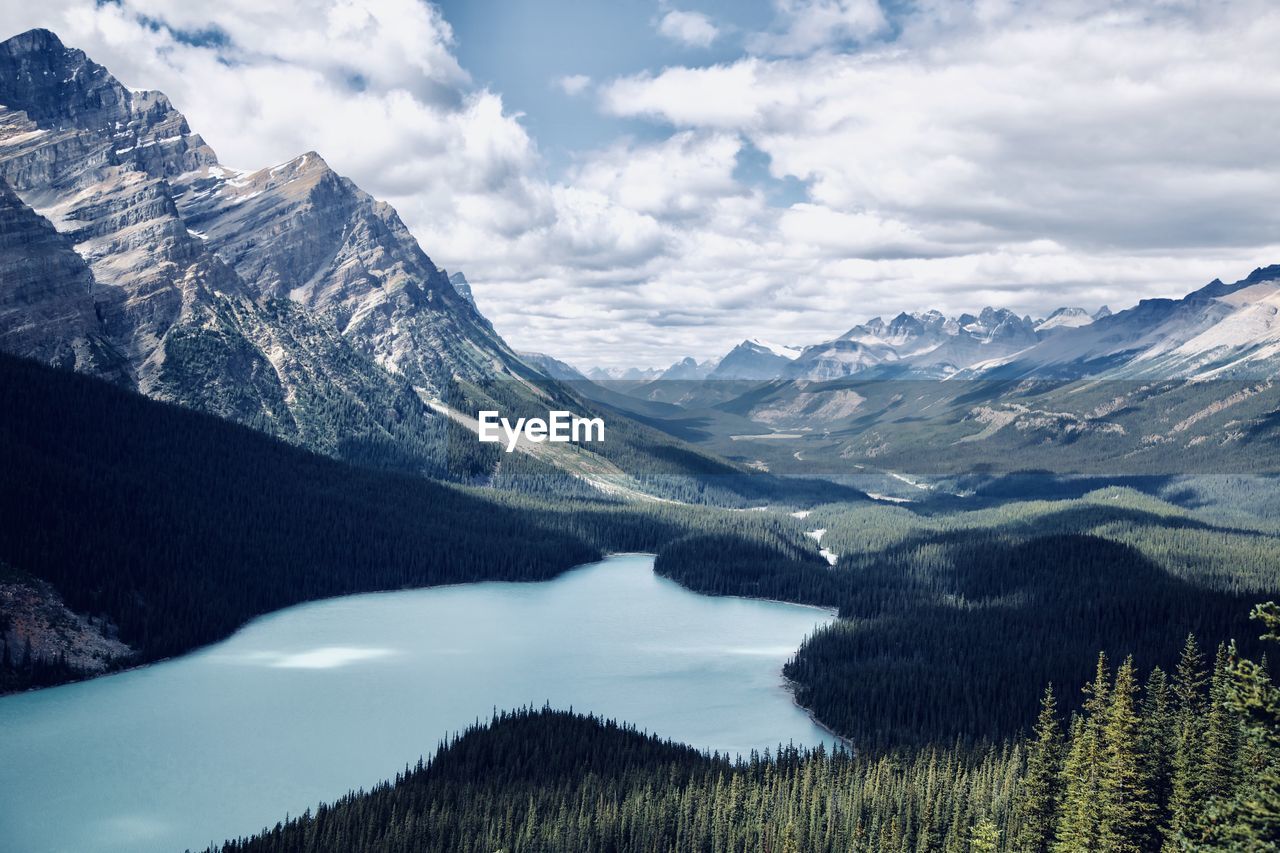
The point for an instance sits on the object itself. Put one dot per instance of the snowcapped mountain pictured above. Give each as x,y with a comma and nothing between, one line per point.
623,374
755,359
1221,331
917,345
1065,318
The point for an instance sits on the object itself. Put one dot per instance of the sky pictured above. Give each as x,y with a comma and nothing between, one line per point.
627,183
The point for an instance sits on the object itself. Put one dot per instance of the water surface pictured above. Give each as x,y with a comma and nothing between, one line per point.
304,704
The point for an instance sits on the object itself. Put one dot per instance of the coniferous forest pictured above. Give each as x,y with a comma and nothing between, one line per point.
1187,759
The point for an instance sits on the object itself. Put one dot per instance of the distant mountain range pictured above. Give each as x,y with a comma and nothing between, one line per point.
1227,331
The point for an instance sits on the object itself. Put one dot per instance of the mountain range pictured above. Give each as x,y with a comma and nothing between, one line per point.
1219,331
284,298
288,299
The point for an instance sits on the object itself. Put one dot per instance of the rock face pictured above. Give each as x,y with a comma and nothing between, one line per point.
287,298
46,304
301,232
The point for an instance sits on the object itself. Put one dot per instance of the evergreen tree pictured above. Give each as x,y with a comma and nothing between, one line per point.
1185,795
985,837
1158,745
1222,733
1041,783
1248,818
1126,807
1080,823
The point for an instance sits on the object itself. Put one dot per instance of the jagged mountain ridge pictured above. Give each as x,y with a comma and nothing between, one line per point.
1220,331
273,298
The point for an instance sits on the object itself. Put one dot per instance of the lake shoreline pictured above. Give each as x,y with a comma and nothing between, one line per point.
108,673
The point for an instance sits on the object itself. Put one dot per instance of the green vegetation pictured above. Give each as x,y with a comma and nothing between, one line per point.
951,624
1190,761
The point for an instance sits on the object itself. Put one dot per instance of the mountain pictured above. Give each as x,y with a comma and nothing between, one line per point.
1066,318
1221,331
460,284
688,369
623,374
553,367
915,345
755,359
284,298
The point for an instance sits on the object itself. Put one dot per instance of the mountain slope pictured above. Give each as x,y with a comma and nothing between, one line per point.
46,308
285,299
755,359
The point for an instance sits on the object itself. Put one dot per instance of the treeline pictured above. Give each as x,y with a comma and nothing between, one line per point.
1188,761
179,527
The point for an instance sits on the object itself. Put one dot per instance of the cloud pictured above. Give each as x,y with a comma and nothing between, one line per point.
574,84
692,29
956,155
806,25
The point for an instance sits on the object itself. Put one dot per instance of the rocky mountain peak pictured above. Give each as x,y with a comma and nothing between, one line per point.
57,86
460,284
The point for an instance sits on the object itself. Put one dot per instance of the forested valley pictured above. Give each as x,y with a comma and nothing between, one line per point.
176,528
1187,759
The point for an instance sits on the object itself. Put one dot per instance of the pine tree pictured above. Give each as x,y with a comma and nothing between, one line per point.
1080,821
1158,744
1126,807
1041,786
1249,817
1222,733
1185,790
985,836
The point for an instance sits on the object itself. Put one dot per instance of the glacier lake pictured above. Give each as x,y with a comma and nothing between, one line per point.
307,703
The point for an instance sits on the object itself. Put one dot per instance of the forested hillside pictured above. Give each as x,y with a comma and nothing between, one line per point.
1189,760
952,623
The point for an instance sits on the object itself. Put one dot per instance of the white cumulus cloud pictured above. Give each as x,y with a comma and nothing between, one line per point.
688,28
574,84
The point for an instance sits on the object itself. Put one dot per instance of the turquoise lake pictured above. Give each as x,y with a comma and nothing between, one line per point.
307,703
